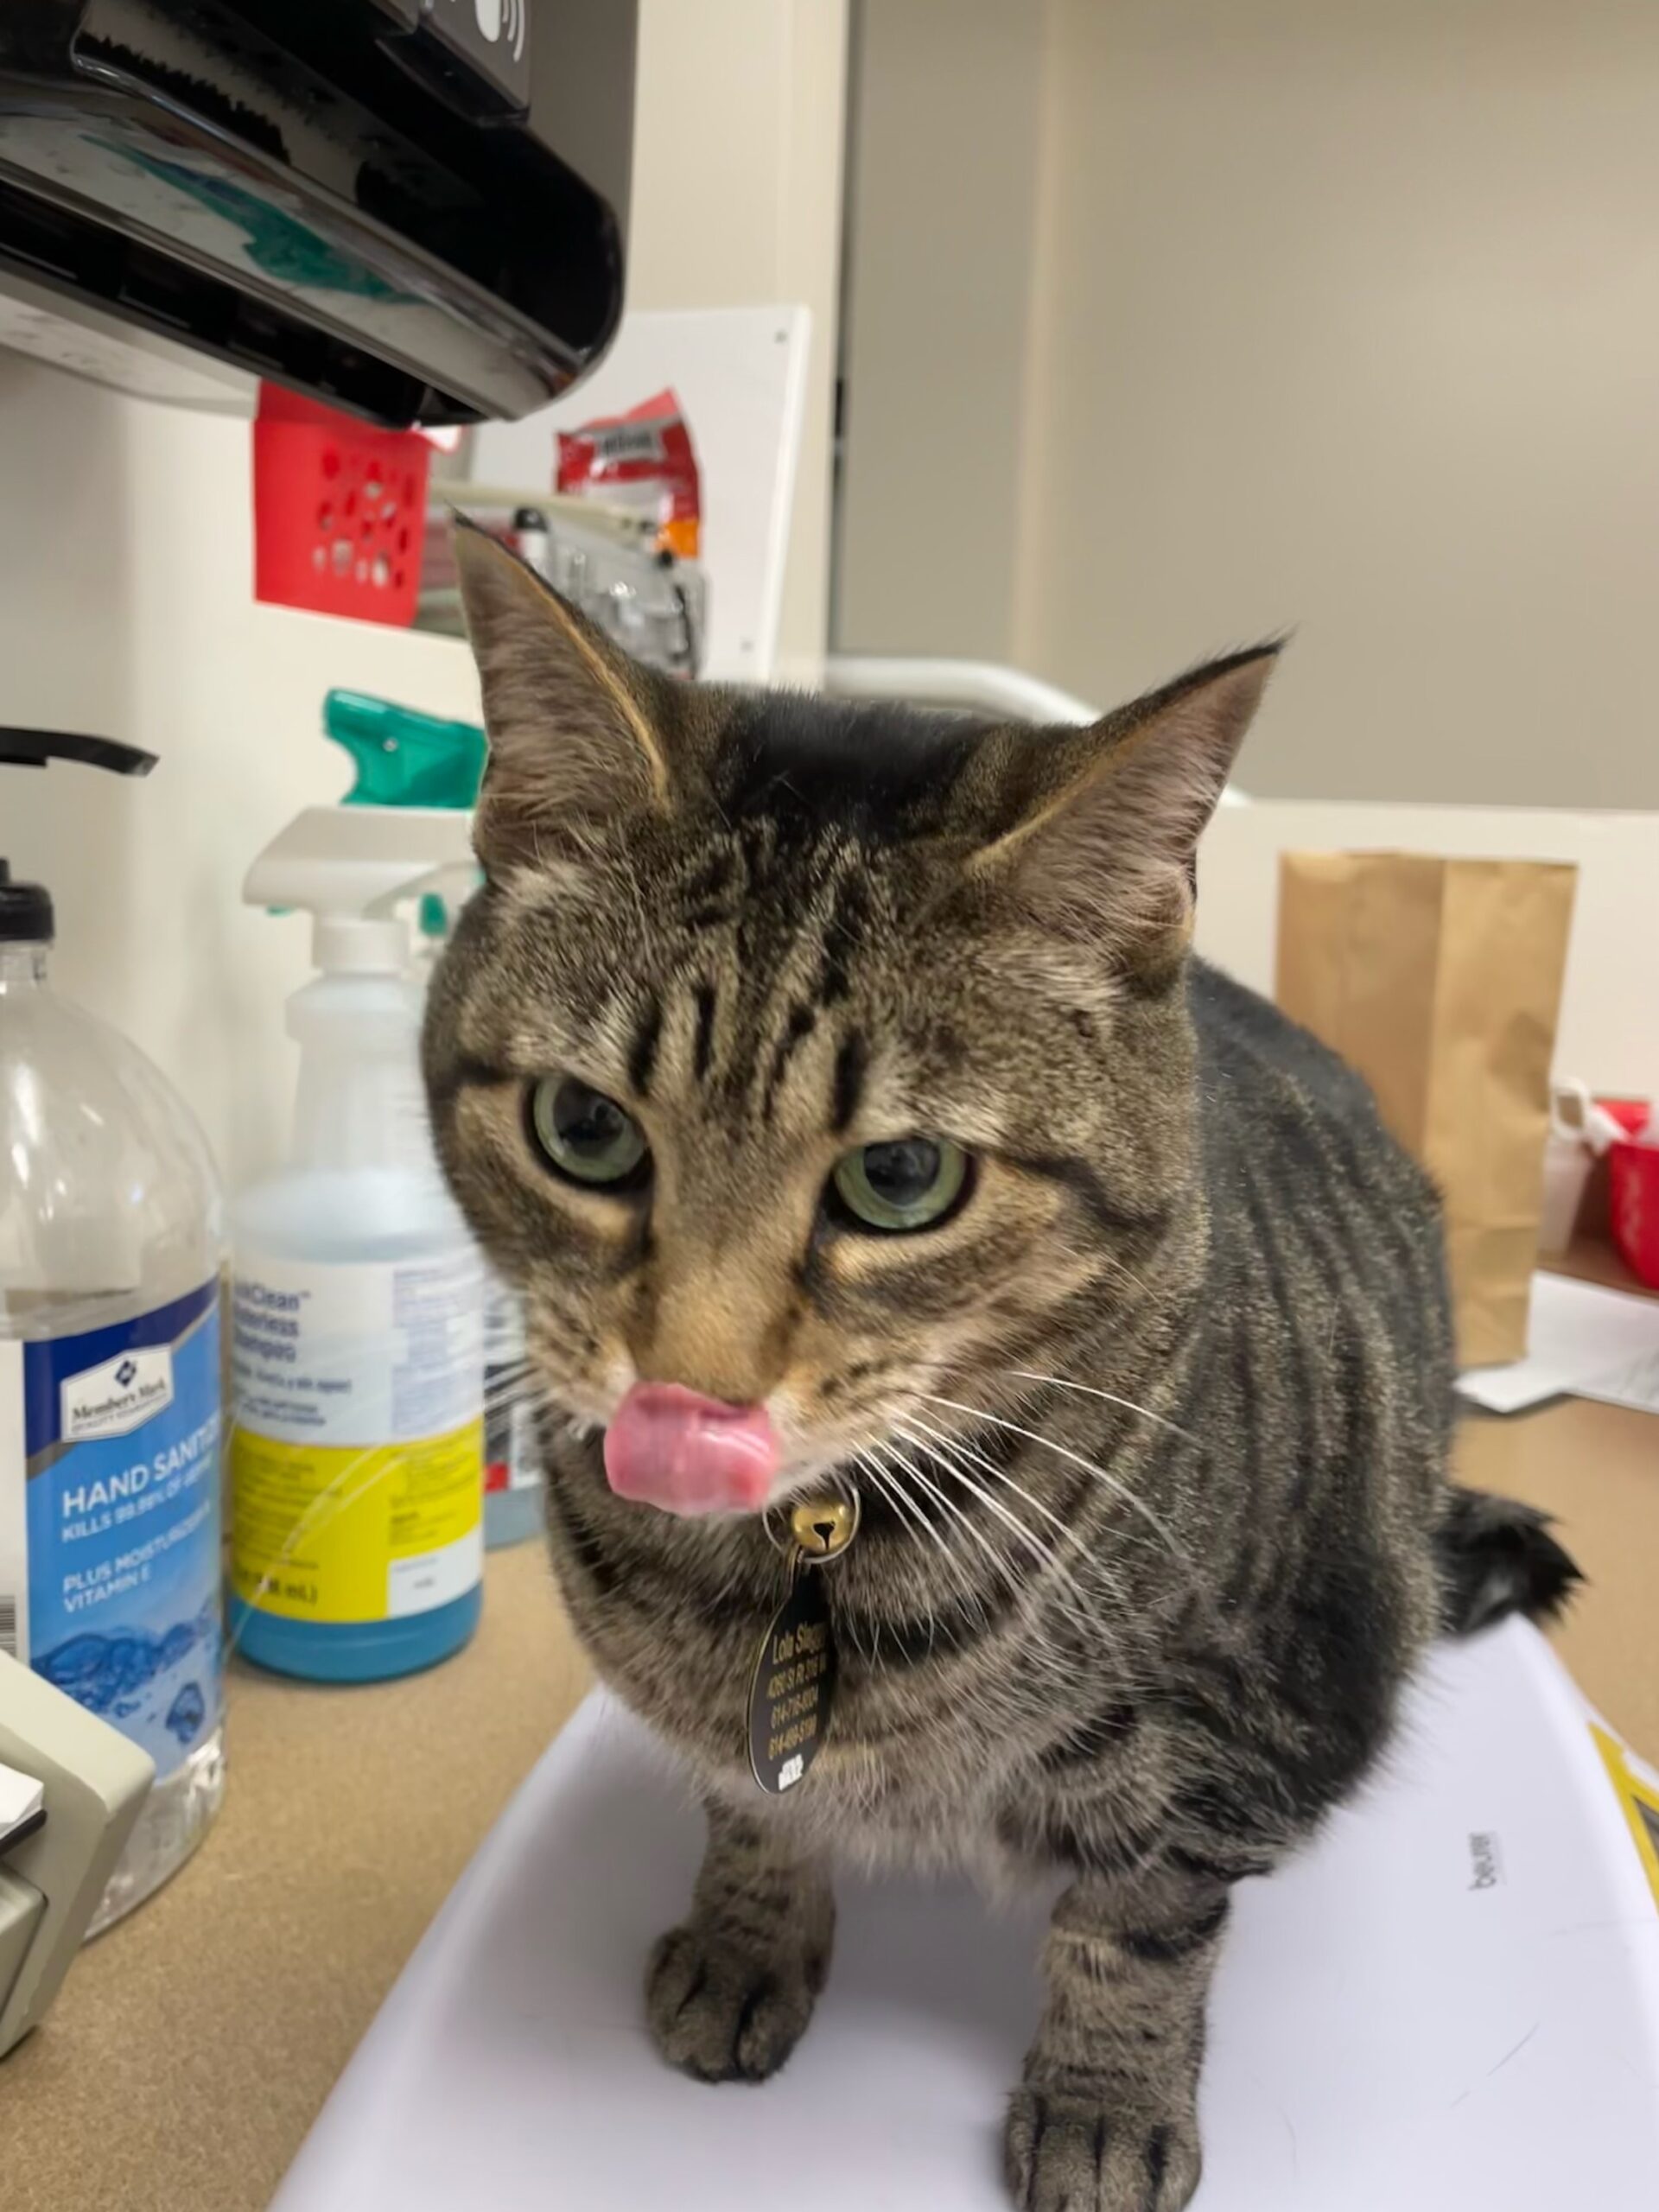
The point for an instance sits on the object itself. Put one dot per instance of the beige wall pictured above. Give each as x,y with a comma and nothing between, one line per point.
942,202
737,195
1345,317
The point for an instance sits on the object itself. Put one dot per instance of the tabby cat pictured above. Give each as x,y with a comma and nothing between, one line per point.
836,1085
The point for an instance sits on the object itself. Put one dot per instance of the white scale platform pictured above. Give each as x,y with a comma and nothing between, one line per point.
1384,2032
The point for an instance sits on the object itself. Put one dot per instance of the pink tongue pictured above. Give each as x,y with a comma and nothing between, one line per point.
686,1453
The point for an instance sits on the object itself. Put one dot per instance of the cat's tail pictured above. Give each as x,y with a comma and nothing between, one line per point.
1498,1557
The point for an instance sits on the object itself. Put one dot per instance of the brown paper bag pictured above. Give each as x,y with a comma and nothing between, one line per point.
1441,981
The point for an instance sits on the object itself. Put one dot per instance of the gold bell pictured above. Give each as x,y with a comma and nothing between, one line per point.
823,1527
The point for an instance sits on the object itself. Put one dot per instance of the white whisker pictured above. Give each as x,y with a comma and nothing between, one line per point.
1033,1543
1135,1505
899,1498
1089,1390
893,1491
1078,1607
1003,1566
958,1445
1095,1614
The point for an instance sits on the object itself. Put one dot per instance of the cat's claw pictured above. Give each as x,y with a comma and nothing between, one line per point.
1068,2154
720,2014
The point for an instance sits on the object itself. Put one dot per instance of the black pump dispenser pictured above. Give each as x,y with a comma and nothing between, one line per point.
26,908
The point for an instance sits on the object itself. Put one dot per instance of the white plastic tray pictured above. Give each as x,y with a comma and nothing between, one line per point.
1391,2025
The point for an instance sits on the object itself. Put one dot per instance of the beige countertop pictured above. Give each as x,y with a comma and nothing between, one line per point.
193,2045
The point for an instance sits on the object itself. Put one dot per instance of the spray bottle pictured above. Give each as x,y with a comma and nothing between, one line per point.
404,759
111,1253
356,1451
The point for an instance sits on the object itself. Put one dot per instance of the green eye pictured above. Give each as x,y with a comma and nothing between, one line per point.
586,1135
908,1183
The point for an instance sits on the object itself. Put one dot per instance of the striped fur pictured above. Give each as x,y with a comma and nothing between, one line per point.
1150,1436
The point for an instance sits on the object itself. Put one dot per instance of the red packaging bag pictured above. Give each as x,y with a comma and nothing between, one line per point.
644,459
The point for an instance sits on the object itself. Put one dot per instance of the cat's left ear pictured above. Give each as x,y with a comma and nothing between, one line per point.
574,723
1107,819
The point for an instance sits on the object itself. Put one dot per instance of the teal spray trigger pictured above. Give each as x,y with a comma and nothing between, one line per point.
406,758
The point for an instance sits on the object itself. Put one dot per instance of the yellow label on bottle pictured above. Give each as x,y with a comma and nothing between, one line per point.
350,1533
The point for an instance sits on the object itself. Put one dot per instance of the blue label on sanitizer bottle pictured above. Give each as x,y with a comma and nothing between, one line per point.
119,1535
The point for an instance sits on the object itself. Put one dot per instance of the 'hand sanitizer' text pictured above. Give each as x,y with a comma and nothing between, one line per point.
89,1509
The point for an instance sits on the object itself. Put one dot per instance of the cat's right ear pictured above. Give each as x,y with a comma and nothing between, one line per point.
574,737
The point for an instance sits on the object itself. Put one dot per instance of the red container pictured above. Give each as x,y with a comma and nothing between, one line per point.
1631,1114
1634,1190
339,511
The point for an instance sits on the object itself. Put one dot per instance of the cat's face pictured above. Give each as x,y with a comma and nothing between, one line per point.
805,1068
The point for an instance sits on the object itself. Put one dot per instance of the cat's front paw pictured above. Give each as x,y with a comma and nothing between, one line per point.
1071,2154
721,2012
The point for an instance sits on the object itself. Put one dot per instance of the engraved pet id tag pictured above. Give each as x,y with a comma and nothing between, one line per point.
793,1689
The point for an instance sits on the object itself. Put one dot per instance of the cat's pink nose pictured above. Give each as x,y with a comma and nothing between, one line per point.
674,1448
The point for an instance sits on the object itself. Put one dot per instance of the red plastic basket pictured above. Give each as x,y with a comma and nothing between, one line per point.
339,511
1633,1190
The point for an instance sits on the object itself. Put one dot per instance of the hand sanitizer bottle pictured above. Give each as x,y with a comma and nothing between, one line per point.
356,1446
111,1255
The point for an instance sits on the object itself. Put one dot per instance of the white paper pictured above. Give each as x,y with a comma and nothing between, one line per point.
1583,1340
20,1797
